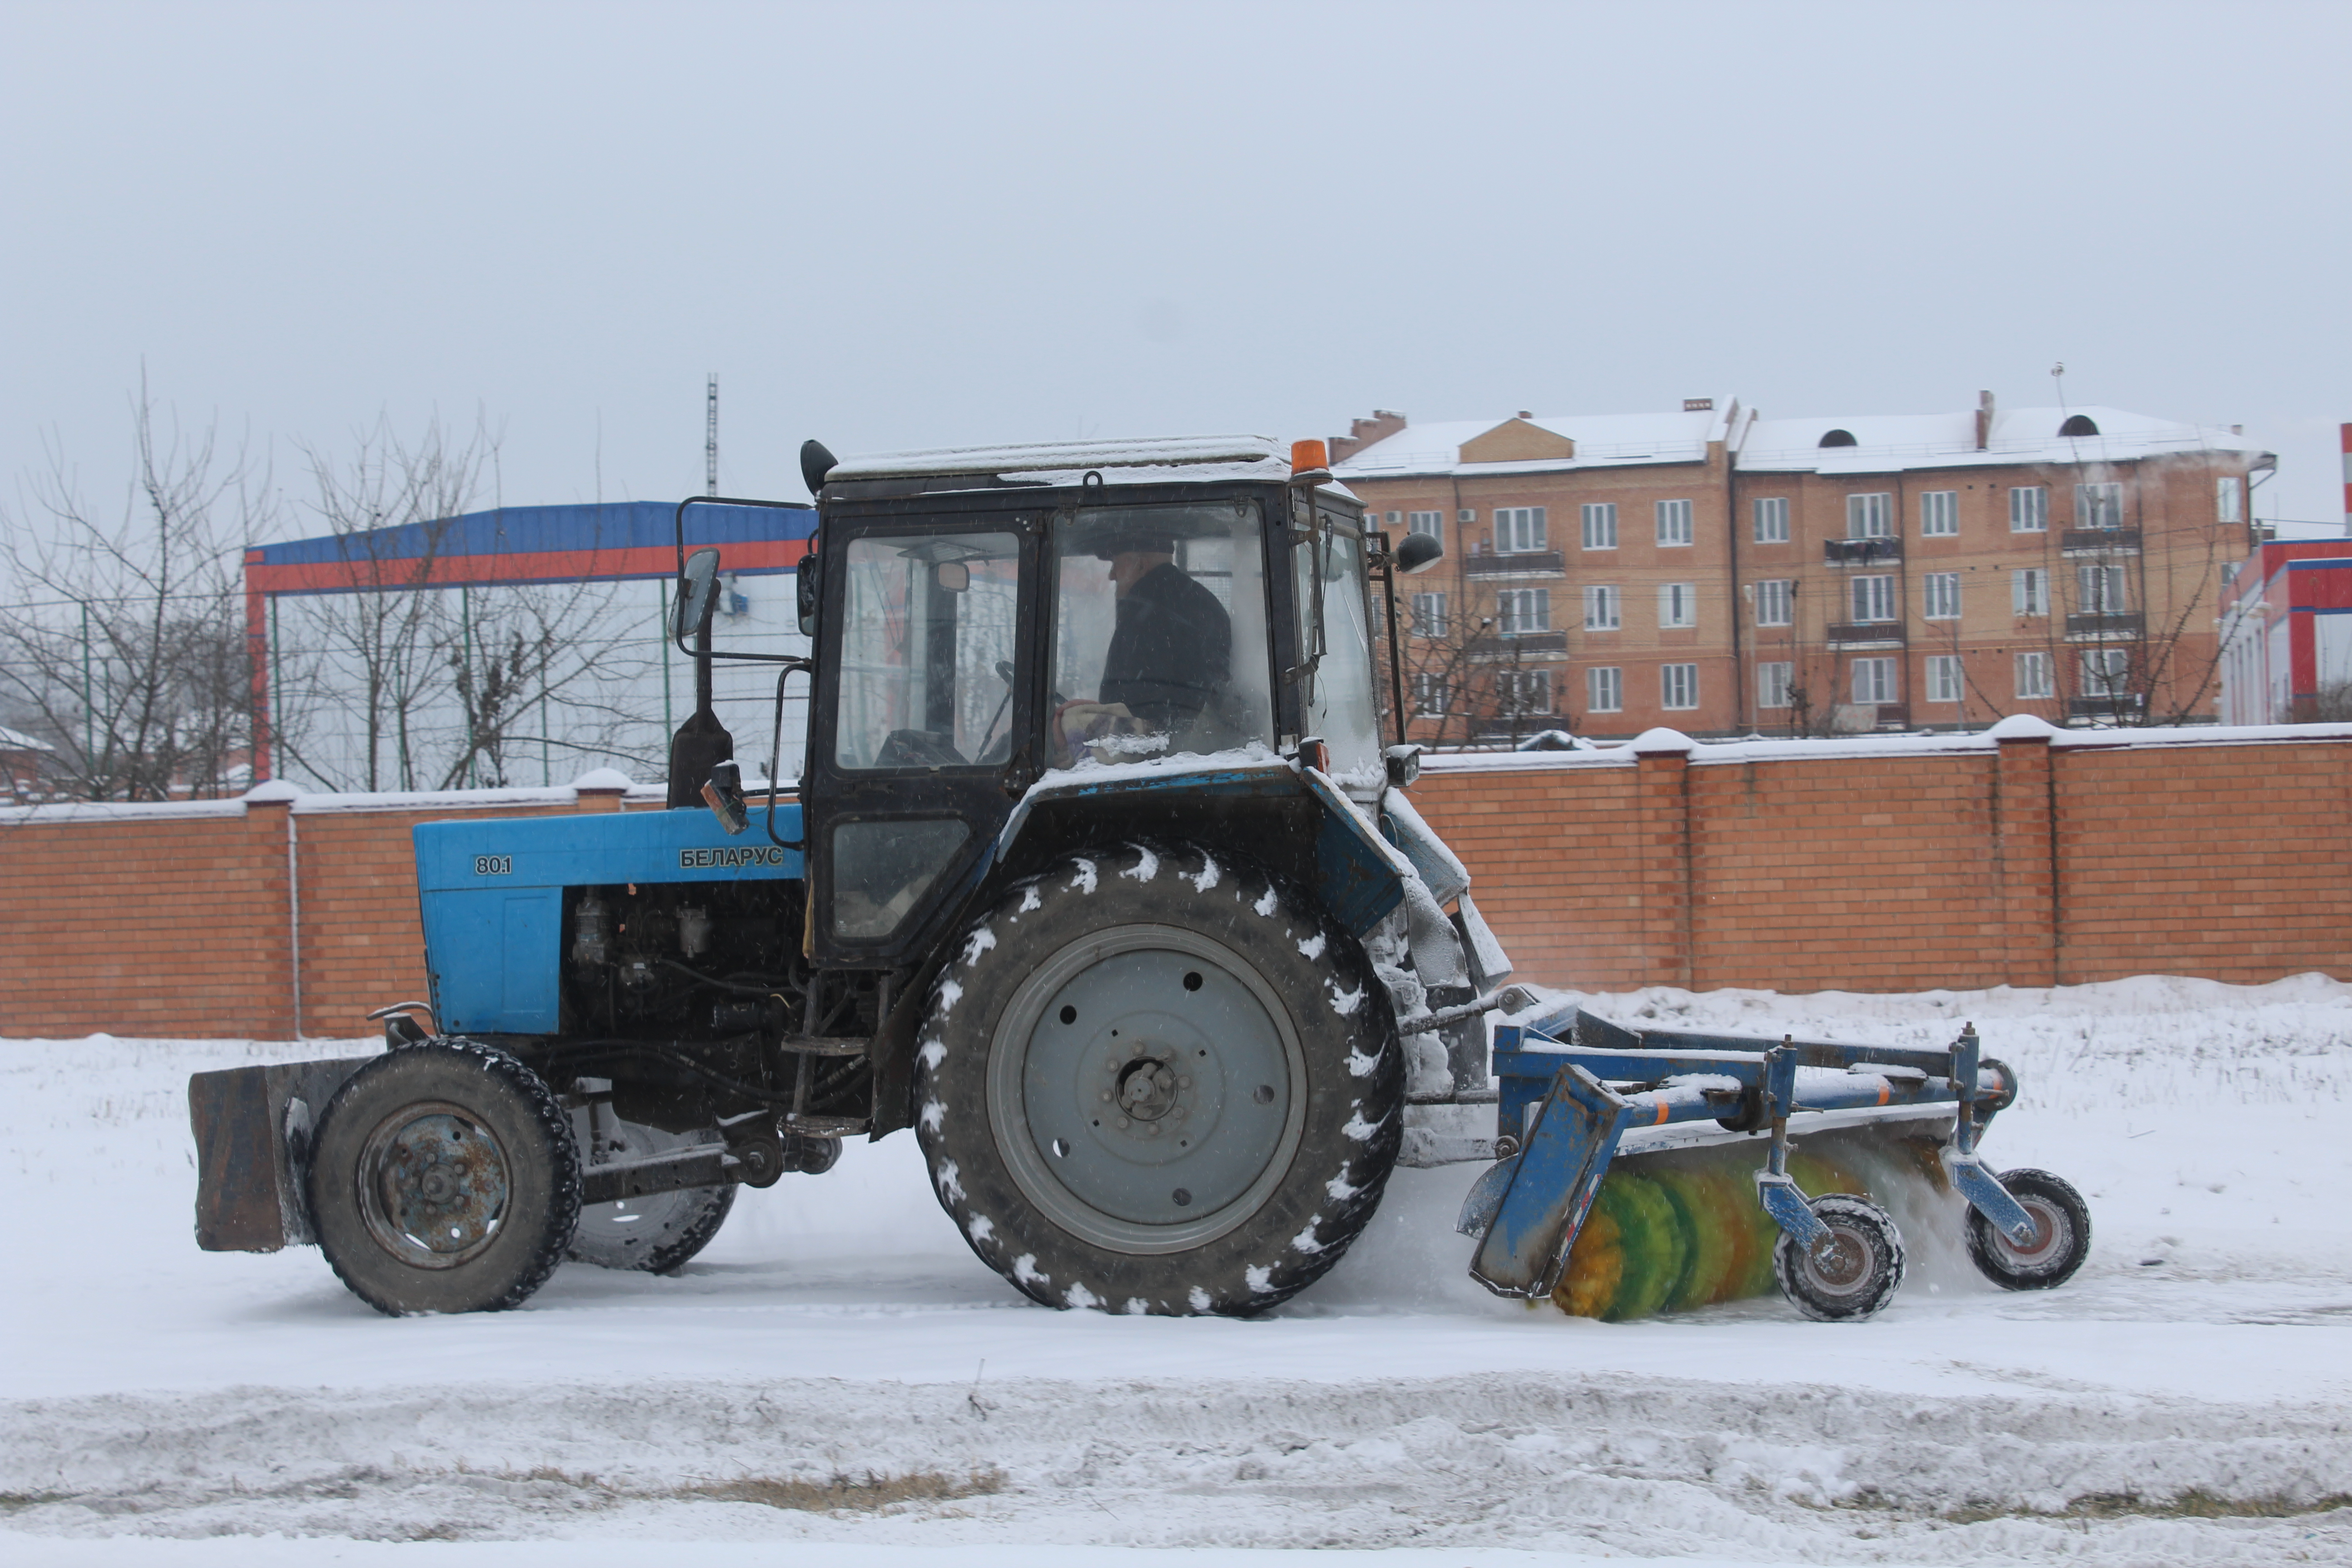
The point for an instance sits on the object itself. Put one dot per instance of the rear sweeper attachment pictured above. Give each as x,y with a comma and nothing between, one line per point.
1559,1215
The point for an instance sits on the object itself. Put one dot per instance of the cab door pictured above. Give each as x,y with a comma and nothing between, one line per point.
925,723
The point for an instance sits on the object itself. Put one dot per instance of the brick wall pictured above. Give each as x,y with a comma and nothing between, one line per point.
2024,857
2039,857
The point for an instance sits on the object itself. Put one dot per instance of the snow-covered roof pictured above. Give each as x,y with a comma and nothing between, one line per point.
1602,441
18,740
1141,460
1882,443
1890,443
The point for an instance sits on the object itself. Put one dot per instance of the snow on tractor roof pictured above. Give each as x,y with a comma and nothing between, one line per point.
1138,460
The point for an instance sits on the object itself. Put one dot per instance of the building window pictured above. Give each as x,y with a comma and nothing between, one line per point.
1677,604
1939,513
1600,609
1773,679
1520,611
1944,678
2033,675
2079,425
1604,691
2029,509
1678,686
2228,500
1674,522
1431,524
1429,614
1769,517
1428,693
1518,529
2100,590
1874,598
1874,680
1600,525
2099,506
1942,595
2106,672
1523,693
1773,602
2028,592
1869,517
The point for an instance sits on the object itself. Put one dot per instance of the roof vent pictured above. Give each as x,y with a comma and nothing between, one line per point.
1526,413
1838,438
1698,405
2079,425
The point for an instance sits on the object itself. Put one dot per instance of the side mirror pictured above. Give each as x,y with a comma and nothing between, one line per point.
697,590
807,579
1418,552
952,576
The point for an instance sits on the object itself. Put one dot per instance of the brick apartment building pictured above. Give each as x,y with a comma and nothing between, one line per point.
1722,573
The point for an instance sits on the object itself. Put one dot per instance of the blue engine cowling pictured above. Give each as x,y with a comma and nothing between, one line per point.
491,890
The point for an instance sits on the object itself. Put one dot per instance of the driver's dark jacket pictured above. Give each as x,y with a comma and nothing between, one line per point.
1171,648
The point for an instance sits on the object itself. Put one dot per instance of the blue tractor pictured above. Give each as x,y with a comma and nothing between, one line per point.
1098,877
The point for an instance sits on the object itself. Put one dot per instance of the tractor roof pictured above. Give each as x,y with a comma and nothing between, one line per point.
1161,459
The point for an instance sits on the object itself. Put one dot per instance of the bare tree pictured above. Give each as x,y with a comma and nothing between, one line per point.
126,652
1472,668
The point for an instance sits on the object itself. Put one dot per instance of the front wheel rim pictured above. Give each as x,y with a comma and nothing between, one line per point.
434,1184
1099,1122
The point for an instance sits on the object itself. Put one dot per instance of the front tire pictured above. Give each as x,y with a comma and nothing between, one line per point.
1154,1080
444,1179
1851,1273
655,1234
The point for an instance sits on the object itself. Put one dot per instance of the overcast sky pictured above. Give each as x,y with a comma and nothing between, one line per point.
911,224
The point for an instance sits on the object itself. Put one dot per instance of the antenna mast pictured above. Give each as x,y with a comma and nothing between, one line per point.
710,441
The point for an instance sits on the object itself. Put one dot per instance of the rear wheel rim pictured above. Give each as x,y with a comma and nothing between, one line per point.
1147,1088
434,1184
2054,1238
1841,1267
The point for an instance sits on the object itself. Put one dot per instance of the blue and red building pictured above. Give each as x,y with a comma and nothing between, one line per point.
510,547
2286,622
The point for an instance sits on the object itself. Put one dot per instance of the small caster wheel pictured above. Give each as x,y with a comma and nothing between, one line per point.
1849,1273
2062,1235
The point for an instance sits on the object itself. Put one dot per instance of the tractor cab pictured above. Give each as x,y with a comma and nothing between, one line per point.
1038,625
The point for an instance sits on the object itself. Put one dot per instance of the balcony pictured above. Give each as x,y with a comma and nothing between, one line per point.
2097,628
1520,563
2122,705
1860,552
1857,636
2099,542
1526,644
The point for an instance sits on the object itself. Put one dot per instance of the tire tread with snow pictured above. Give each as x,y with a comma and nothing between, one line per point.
1215,1129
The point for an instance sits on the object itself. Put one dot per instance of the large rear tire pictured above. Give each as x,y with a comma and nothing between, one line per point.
444,1179
655,1234
1158,1080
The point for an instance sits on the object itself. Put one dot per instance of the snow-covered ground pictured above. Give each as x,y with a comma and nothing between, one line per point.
837,1380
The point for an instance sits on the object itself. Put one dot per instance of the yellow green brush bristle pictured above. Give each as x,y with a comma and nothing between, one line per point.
1682,1228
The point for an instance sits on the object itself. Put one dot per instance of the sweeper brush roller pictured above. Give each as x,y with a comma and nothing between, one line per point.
1656,1171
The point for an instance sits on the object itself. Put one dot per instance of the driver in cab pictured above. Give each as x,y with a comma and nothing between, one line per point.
1170,652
